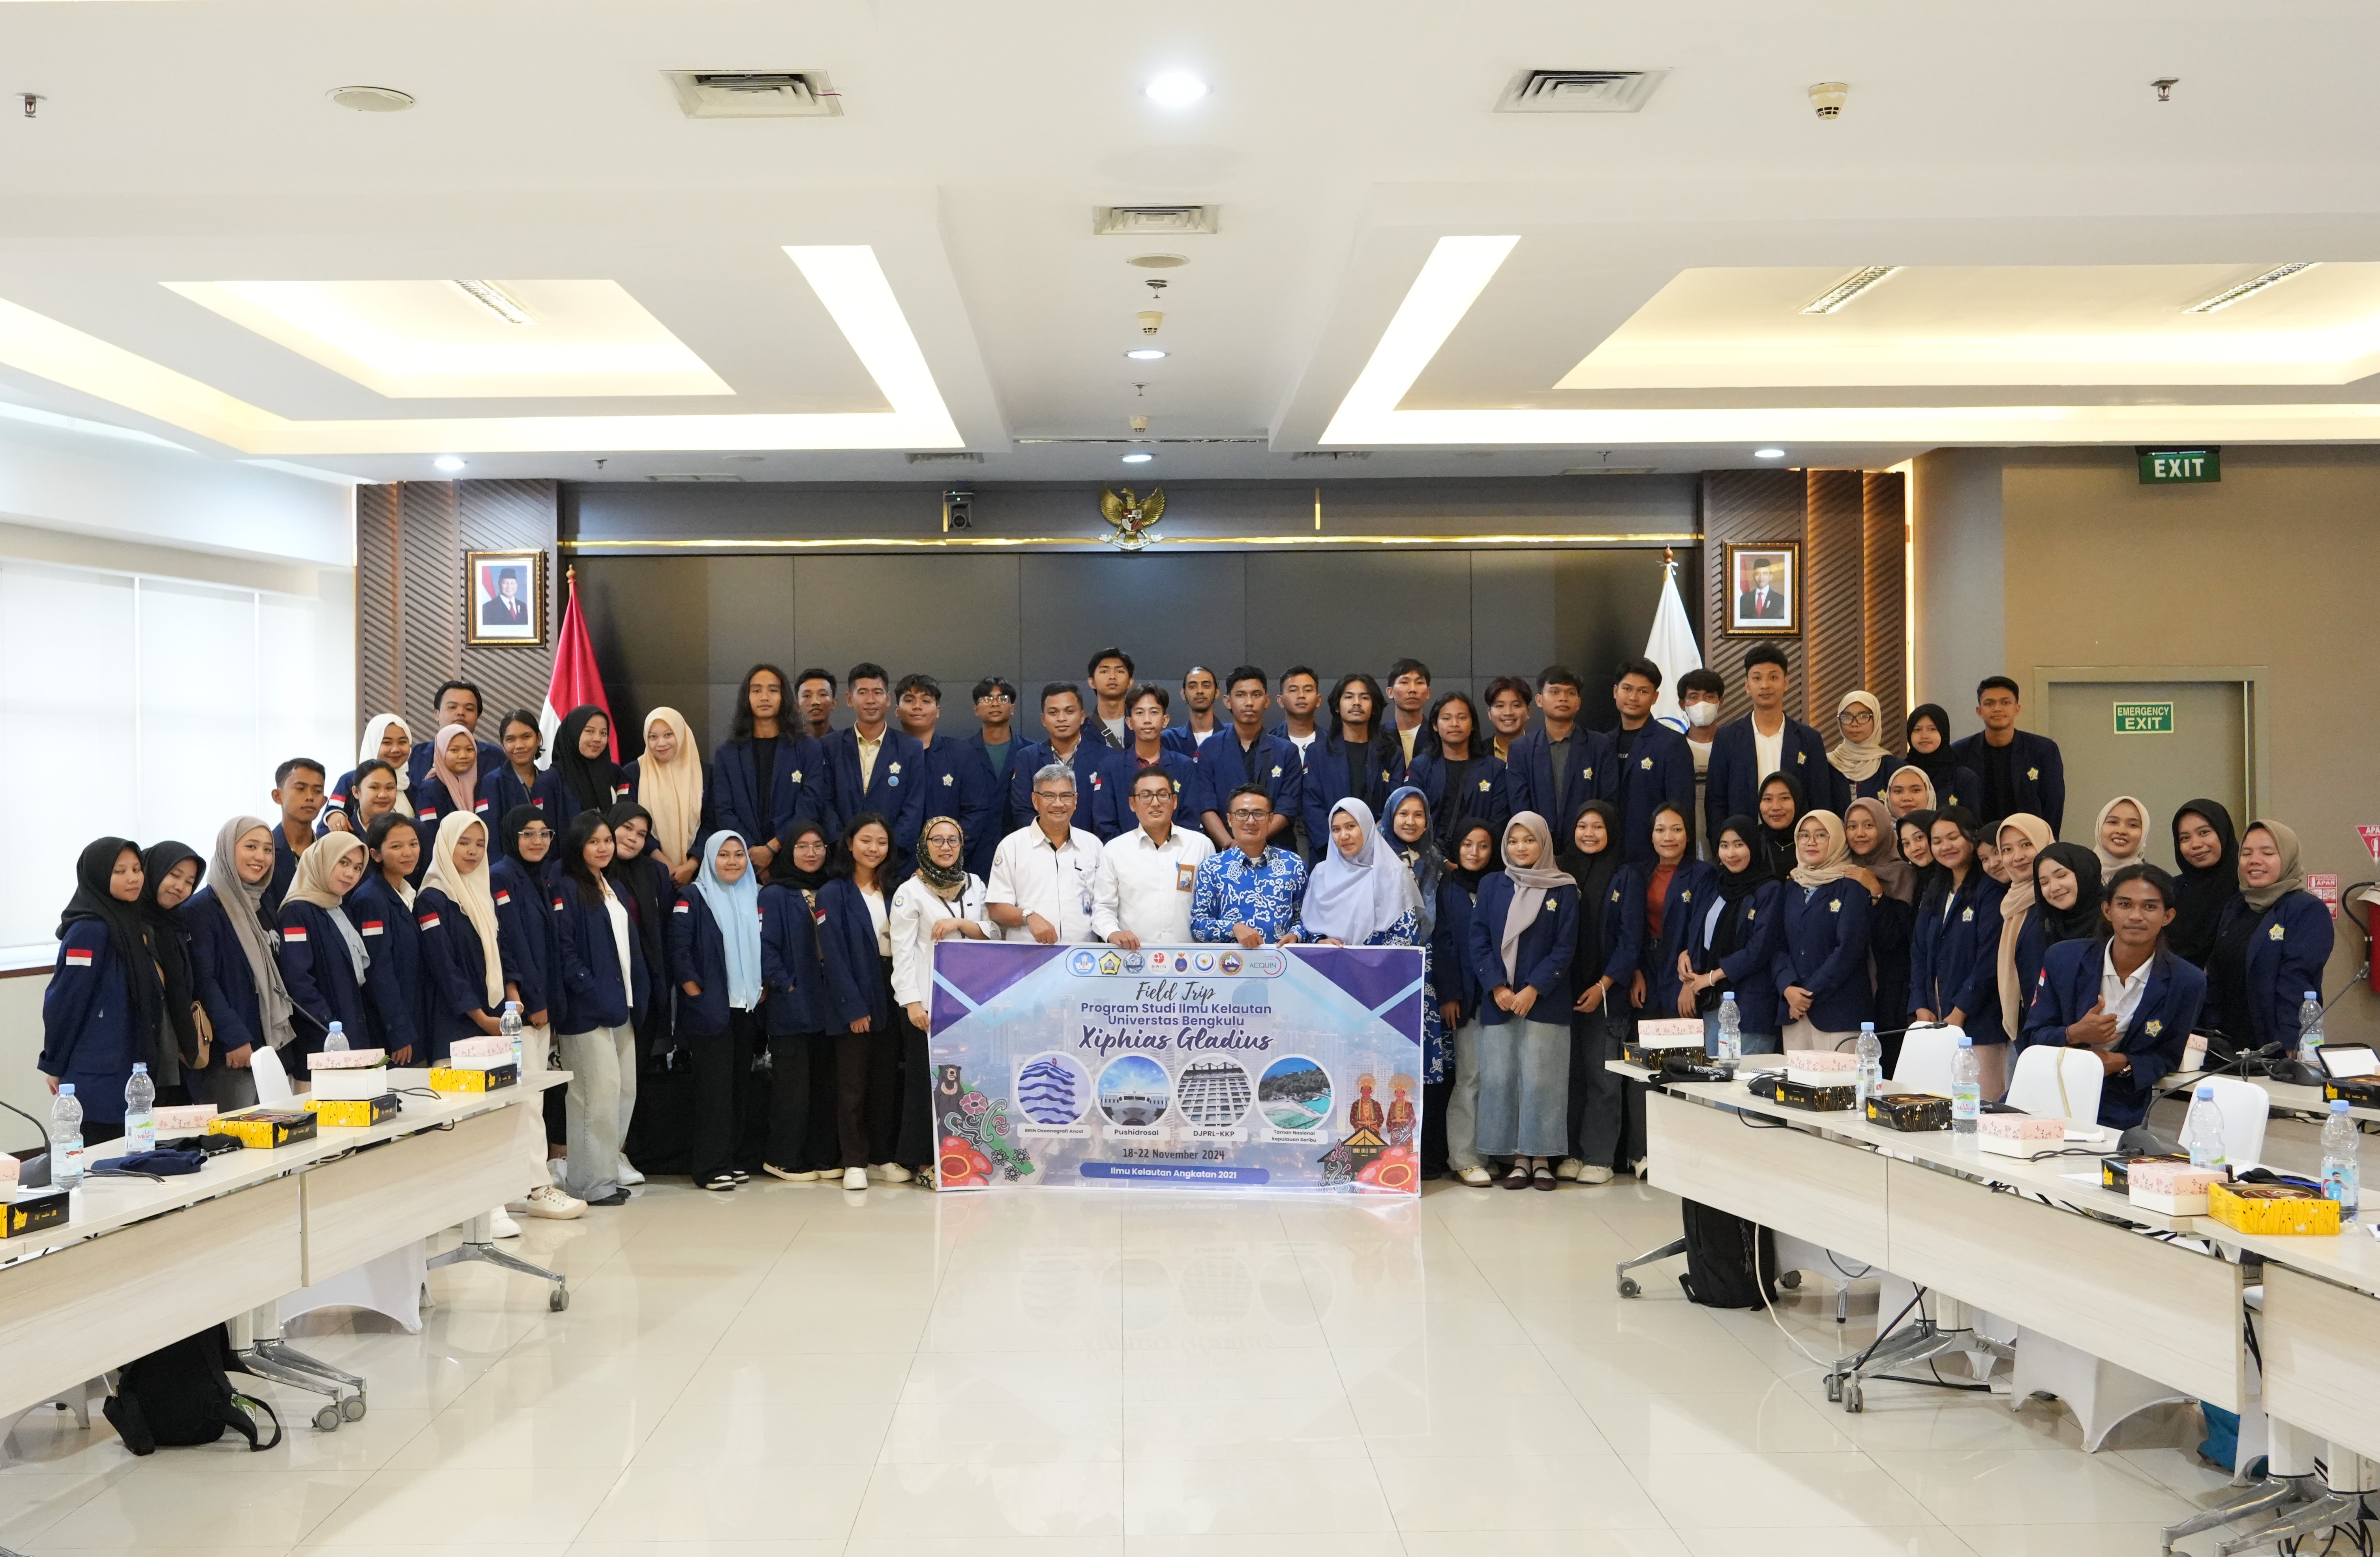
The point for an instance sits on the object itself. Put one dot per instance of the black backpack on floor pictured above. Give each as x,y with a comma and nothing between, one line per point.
1731,1263
180,1395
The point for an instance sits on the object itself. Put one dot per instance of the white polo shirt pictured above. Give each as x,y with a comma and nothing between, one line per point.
2123,995
1053,880
1143,887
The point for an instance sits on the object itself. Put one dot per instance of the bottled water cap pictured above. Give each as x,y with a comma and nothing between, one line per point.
2339,1105
2313,994
139,1067
1867,1026
512,1005
65,1089
1965,1042
2206,1093
1728,998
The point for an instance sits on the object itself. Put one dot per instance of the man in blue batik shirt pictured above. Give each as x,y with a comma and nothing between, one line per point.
1249,893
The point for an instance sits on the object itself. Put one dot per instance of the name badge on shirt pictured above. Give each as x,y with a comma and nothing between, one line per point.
1184,876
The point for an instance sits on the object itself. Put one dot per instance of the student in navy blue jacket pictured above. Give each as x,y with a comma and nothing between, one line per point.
1454,984
104,1006
1350,760
855,939
767,772
518,781
794,1010
1737,769
1558,739
2067,896
1455,771
2270,944
953,777
1244,752
607,984
387,740
642,880
457,702
1953,968
1928,729
1891,882
1524,934
323,956
521,879
1647,765
1731,945
715,962
995,739
2017,769
1686,888
362,798
894,788
381,906
1862,760
673,783
1102,776
300,791
2138,1040
1200,723
453,784
231,947
1820,964
1145,714
585,776
171,872
1605,1133
467,987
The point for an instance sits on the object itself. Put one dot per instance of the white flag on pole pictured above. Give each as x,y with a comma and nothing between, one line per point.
1671,647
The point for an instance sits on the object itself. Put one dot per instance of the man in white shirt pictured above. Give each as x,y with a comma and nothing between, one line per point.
1141,893
1041,875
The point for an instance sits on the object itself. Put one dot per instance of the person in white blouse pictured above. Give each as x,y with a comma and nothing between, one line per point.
1041,875
941,900
1140,894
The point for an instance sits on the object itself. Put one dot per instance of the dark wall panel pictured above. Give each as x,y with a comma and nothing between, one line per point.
1603,613
1169,612
935,613
1341,612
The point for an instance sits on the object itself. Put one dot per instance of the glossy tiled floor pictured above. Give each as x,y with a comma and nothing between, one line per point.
789,1371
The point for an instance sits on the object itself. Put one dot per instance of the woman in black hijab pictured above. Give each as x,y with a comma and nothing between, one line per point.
1729,952
105,1004
1599,1107
2207,857
1929,747
1781,809
584,779
820,1154
166,887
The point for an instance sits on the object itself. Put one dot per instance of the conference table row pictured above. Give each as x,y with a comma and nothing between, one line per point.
141,1262
2044,1246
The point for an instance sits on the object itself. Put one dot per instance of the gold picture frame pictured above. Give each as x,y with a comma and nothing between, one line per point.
1764,589
495,618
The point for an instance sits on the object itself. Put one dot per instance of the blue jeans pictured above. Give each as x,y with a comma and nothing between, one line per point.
1524,1089
1753,1042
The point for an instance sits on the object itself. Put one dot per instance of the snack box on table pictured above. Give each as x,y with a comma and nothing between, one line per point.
2272,1207
353,1114
345,1058
1909,1111
1656,1039
30,1210
351,1086
2019,1134
475,1073
2175,1188
180,1118
262,1129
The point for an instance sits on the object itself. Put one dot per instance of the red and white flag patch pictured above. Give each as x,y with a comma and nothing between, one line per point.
293,934
372,927
427,921
78,959
504,897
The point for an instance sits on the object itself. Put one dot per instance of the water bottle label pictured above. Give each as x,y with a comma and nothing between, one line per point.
2344,1186
72,1161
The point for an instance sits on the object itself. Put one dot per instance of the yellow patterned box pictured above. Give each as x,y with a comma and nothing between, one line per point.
32,1211
353,1114
445,1078
262,1129
2272,1208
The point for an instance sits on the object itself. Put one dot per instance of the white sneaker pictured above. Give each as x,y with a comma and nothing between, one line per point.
547,1201
502,1226
1640,1165
890,1173
558,1169
1594,1176
854,1178
628,1175
1477,1176
1569,1168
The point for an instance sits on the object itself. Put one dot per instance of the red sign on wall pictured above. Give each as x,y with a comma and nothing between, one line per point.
2324,886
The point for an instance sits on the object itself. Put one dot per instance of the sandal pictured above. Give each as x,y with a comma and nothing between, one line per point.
1517,1176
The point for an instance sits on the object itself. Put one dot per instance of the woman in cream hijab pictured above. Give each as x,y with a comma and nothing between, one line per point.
668,782
2022,835
2270,943
1823,940
1860,759
2120,837
456,911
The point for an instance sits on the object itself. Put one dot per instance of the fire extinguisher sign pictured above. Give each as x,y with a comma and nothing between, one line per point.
2324,885
2371,835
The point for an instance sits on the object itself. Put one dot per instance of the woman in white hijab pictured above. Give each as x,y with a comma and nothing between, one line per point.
388,739
669,782
1360,894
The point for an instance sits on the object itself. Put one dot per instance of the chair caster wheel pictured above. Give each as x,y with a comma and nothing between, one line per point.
1852,1401
558,1300
1834,1389
1790,1281
352,1408
1627,1287
327,1419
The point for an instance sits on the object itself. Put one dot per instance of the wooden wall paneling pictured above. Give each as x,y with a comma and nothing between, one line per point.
1745,506
1833,596
501,516
1884,535
379,604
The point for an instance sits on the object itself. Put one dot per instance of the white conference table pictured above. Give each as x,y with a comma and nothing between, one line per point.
141,1263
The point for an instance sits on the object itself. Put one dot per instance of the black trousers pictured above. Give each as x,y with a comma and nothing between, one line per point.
1606,1111
867,1097
723,1077
916,1145
792,1107
1435,1096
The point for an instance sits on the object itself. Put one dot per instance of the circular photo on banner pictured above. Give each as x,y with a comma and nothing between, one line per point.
1135,1089
1052,1090
1213,1092
1294,1093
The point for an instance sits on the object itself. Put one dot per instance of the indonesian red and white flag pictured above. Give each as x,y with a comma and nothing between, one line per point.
575,679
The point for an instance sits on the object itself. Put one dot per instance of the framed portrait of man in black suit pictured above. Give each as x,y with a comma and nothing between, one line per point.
1764,589
504,598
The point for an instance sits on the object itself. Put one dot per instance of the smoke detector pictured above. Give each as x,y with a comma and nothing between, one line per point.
755,94
1150,320
1152,221
1578,91
1826,97
1158,262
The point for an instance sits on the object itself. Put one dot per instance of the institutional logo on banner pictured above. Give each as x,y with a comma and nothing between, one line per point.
1278,1068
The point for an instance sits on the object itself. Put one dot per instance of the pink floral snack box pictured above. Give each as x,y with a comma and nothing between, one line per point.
2175,1188
2019,1134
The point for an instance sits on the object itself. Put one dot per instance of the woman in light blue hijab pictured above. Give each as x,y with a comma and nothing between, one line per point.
715,959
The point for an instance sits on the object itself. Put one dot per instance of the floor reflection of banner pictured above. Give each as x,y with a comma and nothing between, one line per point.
1280,1068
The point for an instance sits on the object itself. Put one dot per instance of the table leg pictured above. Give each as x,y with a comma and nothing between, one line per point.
479,1244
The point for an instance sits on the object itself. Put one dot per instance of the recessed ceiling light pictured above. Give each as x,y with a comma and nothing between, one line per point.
1158,262
1768,454
448,463
371,100
1138,458
1850,287
496,301
1145,354
2247,289
1176,88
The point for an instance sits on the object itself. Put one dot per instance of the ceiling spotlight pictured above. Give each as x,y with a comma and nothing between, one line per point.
371,100
1138,458
1145,354
2248,289
496,301
1850,287
448,463
1768,454
1176,88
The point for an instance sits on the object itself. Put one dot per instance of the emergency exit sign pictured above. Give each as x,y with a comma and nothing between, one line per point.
2144,719
2169,466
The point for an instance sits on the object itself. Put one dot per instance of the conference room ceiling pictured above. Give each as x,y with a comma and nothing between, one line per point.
1402,280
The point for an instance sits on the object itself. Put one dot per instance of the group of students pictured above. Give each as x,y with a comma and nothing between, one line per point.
769,914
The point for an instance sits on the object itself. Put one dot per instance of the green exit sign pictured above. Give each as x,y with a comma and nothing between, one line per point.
2144,719
2169,466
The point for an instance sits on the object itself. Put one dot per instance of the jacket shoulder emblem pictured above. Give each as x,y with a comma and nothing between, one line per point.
2154,1028
1834,904
2275,933
2034,773
1649,764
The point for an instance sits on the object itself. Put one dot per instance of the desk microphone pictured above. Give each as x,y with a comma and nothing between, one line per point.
32,1173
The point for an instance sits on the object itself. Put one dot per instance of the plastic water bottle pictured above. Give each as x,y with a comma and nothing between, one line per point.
2310,1030
1871,1066
2201,1131
140,1111
510,1024
1967,1088
2342,1177
1730,1029
335,1040
65,1137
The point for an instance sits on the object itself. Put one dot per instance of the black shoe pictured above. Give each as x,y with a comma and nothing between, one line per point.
617,1198
724,1181
741,1176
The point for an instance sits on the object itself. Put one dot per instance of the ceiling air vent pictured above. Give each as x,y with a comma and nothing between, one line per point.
1332,454
690,476
755,94
940,456
1579,91
1152,221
